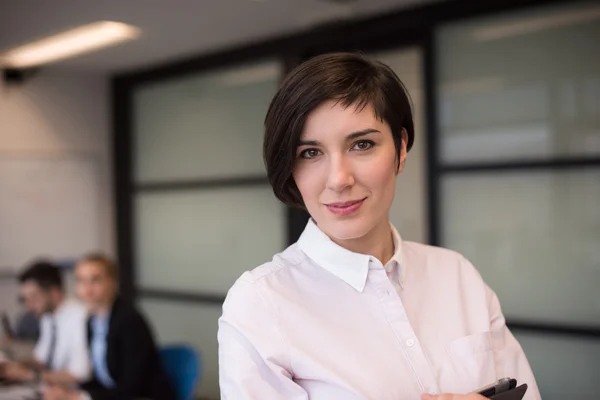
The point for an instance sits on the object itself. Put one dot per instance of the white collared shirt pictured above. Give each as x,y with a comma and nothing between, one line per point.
320,322
70,349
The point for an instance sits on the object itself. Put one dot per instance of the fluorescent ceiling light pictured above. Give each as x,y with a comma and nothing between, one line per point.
68,44
535,24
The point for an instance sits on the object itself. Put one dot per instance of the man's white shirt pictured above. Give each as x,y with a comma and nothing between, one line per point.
70,347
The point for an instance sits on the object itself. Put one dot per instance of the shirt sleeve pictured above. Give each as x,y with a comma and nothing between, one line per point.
509,356
40,352
79,364
254,361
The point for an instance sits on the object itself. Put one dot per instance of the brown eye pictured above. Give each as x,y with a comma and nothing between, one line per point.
310,153
363,145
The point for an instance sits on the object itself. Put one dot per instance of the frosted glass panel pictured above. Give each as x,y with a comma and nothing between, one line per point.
408,212
193,324
535,238
565,367
202,240
206,126
520,85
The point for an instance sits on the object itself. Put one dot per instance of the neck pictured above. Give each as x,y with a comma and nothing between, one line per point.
378,243
58,300
104,309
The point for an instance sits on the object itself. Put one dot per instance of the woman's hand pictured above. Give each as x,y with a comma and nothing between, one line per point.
449,396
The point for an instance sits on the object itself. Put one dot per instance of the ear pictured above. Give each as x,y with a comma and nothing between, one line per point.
403,152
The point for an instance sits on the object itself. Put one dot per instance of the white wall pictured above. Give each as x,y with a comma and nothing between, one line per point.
60,113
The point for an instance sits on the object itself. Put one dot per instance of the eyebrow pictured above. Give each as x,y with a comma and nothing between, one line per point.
351,136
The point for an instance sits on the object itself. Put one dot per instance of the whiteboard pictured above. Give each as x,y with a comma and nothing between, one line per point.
49,207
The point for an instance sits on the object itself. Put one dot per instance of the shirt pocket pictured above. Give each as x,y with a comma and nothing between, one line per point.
473,358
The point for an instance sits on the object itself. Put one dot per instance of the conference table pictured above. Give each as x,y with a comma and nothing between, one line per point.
19,392
18,350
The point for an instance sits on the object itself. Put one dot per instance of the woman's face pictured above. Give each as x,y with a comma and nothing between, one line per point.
346,169
94,286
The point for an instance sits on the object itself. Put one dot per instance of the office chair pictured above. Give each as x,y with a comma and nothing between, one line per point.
183,367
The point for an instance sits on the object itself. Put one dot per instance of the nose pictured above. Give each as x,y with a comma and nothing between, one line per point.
340,174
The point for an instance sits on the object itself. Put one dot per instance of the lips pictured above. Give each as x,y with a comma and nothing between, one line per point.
345,207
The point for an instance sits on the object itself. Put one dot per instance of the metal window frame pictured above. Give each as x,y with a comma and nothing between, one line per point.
414,27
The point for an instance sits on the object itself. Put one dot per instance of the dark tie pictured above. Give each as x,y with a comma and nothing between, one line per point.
50,358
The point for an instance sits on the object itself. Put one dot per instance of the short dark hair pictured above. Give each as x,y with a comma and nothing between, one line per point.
348,78
44,273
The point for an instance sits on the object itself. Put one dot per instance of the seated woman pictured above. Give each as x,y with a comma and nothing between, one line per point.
125,359
353,311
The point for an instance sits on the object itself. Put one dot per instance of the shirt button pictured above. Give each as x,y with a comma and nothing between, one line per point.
410,343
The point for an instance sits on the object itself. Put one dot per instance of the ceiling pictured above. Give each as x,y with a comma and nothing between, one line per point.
175,29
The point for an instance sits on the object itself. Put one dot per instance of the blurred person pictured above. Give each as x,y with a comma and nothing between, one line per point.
125,358
27,327
60,354
352,311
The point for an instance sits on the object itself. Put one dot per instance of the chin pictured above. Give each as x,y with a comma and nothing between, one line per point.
346,229
92,307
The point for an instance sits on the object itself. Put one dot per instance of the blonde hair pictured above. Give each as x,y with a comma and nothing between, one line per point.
109,266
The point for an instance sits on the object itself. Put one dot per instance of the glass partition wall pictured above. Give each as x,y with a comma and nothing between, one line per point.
519,139
203,209
505,169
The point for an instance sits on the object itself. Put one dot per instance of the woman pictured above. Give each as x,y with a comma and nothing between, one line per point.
125,360
351,311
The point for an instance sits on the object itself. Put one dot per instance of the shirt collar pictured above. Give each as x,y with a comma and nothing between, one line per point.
397,260
100,323
351,267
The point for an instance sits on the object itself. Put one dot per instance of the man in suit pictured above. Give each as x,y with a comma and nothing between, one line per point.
125,359
60,355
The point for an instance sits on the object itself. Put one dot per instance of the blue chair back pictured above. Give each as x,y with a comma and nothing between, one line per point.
183,367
